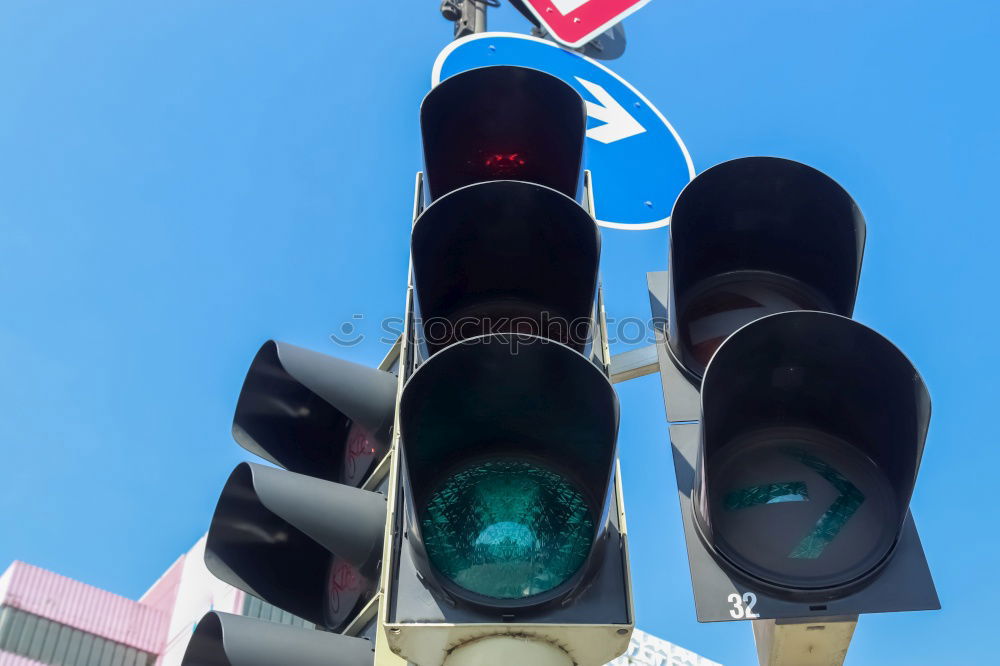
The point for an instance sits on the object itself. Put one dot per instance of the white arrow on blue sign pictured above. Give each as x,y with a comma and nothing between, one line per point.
638,162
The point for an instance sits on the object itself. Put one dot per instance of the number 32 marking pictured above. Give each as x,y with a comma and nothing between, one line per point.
739,612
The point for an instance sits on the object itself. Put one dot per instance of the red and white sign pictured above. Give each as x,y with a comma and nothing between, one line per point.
576,22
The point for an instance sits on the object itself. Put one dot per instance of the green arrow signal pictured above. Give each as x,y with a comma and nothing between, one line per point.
829,524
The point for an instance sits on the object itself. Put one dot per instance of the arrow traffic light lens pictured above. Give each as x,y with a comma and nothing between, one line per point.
799,506
813,426
507,528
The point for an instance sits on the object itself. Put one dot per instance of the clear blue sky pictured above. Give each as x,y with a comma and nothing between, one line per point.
181,180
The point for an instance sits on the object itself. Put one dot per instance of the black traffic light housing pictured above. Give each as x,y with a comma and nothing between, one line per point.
503,399
505,257
315,414
797,432
507,519
307,546
792,396
222,639
308,538
503,123
754,236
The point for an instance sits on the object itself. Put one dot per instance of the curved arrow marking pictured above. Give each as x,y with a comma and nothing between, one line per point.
829,524
618,123
832,521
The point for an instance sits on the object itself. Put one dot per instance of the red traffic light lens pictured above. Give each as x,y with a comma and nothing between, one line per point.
361,453
346,590
503,163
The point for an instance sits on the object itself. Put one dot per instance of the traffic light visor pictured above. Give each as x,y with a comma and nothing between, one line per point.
315,414
302,544
223,639
528,428
505,257
753,237
813,427
503,123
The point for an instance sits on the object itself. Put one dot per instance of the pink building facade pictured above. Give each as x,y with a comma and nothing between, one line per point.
49,619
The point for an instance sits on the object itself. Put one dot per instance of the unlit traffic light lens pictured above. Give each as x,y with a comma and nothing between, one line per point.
796,506
507,529
721,305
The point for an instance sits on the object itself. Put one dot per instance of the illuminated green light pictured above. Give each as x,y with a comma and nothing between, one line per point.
507,529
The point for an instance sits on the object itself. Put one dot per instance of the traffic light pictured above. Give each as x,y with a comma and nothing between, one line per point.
797,431
308,538
548,244
503,123
752,237
508,529
315,414
804,482
222,639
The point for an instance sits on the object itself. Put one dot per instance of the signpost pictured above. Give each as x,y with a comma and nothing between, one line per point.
576,22
638,161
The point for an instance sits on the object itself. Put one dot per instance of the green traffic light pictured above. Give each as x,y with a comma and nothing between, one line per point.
507,529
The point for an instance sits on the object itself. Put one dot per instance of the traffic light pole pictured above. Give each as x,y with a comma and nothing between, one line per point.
634,363
384,656
803,641
469,16
504,650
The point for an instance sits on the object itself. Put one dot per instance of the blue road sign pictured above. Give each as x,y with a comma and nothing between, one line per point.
638,162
